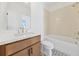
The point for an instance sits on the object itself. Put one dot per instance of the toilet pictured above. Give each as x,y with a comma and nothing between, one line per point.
47,48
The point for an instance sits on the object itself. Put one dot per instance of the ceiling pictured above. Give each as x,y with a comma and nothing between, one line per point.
52,6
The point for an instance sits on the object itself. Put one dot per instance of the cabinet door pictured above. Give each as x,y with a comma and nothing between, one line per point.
25,52
35,50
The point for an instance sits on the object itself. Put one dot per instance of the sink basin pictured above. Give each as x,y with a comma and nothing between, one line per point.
21,34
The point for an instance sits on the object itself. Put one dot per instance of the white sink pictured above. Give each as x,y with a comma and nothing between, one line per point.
22,34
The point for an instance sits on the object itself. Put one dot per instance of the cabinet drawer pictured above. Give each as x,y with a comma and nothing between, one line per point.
24,52
14,47
35,40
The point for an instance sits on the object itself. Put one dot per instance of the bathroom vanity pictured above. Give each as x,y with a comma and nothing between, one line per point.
29,46
16,21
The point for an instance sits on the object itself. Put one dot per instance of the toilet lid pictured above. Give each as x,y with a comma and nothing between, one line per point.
48,44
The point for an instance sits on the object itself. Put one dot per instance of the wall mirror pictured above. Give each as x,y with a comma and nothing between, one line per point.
18,15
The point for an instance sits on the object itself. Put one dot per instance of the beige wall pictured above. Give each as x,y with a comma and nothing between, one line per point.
46,21
64,21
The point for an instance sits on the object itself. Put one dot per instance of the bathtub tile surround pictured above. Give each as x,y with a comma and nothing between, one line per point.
61,28
63,21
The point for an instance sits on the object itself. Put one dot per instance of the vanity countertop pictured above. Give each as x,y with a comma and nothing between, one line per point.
5,39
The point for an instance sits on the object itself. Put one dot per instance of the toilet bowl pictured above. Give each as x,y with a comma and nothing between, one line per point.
47,48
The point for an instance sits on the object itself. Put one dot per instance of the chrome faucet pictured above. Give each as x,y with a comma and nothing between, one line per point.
20,30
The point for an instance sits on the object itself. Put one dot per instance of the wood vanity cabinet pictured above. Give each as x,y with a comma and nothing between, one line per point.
25,52
35,50
26,47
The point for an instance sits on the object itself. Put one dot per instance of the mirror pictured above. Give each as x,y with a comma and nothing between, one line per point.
18,15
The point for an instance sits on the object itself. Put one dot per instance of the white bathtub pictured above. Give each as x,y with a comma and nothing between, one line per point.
64,44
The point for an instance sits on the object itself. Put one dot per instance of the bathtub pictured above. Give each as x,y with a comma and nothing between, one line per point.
64,44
